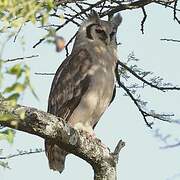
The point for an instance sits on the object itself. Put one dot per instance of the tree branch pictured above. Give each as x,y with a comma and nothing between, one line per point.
21,153
162,88
42,73
20,58
47,126
143,20
171,40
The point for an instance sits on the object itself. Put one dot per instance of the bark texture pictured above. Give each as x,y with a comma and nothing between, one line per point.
47,126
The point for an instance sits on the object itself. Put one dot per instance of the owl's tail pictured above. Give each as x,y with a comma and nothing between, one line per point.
56,156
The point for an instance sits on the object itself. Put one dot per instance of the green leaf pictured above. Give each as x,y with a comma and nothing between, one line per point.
16,70
8,135
14,96
50,4
27,71
16,87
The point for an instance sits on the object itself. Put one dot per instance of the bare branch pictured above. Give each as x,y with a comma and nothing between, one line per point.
130,5
39,42
104,8
62,2
139,104
15,37
171,40
20,58
145,81
171,146
132,97
39,73
21,153
166,5
175,16
68,43
143,20
143,113
117,150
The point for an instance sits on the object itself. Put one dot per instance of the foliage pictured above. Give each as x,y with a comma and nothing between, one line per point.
14,13
8,135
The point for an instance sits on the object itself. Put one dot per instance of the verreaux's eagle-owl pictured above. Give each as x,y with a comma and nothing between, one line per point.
84,83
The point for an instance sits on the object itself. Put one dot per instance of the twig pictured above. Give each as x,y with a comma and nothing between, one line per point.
166,5
63,2
20,58
70,15
73,21
17,33
21,153
80,13
80,7
117,150
175,16
145,81
131,96
121,5
66,47
143,20
40,41
143,113
171,146
102,7
171,40
130,5
38,73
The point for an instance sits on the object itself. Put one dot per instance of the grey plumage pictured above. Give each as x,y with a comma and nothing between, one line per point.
84,83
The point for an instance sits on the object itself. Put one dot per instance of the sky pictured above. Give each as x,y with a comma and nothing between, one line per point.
141,158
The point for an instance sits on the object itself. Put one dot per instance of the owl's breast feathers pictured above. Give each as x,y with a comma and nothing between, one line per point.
81,90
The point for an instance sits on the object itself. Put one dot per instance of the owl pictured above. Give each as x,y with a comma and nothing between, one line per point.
84,84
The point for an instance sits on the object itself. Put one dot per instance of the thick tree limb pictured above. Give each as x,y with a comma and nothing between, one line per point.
47,126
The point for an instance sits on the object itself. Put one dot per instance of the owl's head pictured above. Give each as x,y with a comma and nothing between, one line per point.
99,30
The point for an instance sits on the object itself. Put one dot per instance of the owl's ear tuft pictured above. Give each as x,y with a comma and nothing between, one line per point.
93,16
117,19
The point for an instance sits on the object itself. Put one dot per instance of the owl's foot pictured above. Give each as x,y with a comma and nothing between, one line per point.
86,129
89,134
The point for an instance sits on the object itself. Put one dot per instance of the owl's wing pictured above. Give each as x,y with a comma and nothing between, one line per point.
116,77
70,83
113,96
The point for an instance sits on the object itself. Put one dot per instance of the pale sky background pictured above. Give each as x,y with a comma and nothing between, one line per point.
142,157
